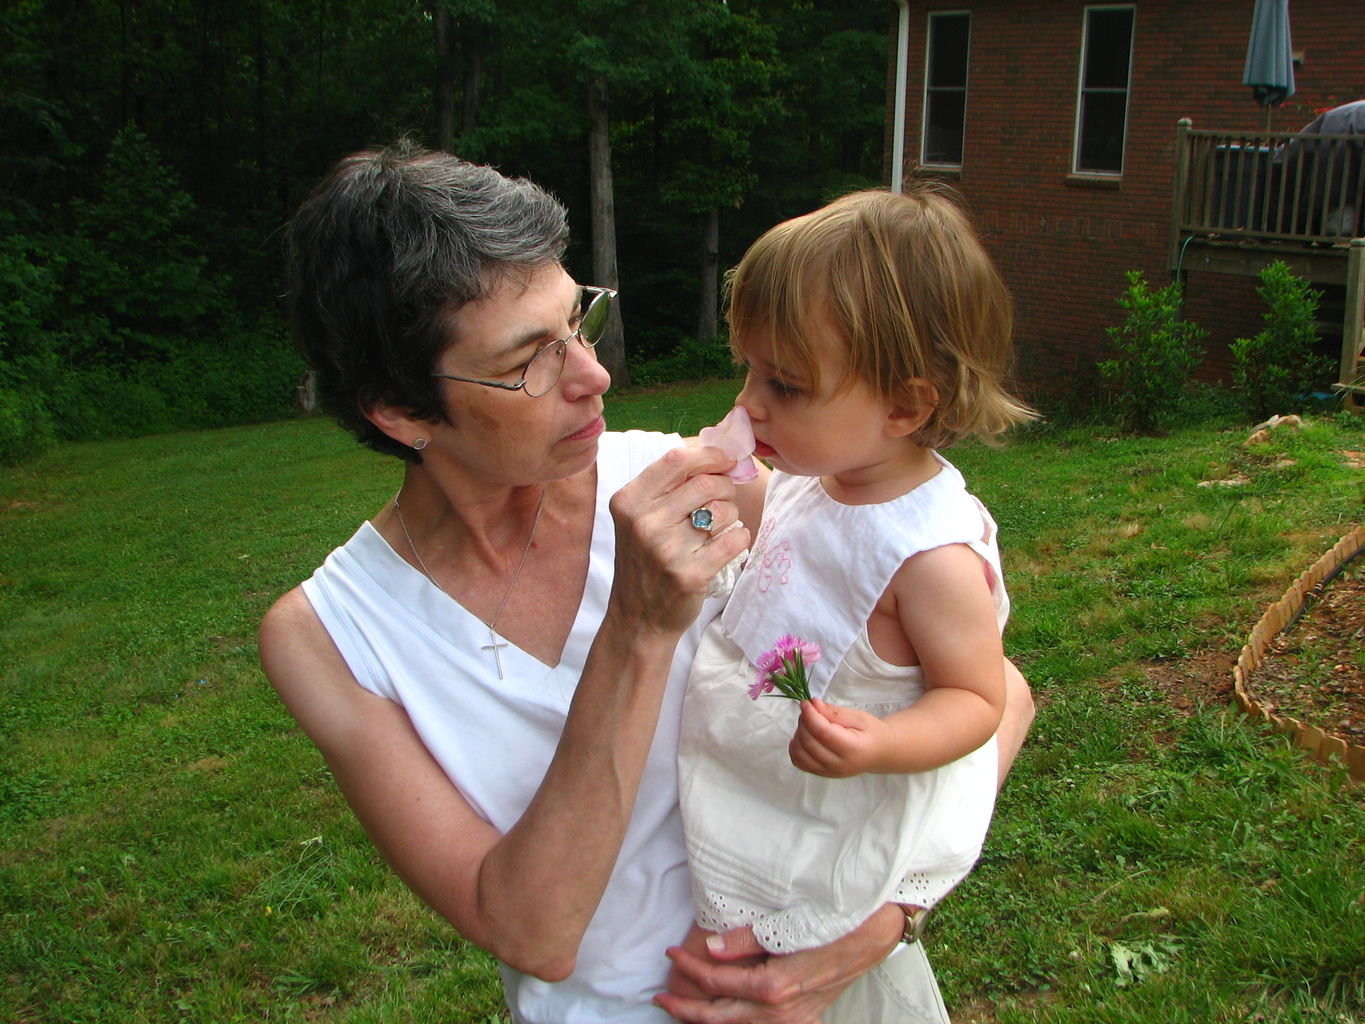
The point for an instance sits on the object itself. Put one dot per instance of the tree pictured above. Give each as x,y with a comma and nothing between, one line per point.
135,268
462,32
709,121
708,129
634,49
612,348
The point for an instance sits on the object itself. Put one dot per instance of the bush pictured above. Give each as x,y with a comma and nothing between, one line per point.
690,360
100,402
1276,372
1160,352
25,426
246,378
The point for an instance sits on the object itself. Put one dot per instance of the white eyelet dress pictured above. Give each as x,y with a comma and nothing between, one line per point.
804,859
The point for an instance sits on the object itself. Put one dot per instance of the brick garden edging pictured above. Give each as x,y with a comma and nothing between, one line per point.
1321,745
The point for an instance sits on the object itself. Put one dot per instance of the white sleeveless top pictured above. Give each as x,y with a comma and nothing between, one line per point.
806,859
405,640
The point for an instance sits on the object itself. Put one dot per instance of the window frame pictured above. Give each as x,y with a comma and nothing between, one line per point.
1082,91
928,89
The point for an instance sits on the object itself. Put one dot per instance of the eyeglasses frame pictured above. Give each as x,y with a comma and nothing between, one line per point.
562,345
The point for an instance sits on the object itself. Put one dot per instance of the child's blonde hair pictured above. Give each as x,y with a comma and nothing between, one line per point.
908,286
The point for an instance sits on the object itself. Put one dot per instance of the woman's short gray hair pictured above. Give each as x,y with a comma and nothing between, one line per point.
389,243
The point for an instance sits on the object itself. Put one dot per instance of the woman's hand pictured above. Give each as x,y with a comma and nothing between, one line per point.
744,987
698,944
663,562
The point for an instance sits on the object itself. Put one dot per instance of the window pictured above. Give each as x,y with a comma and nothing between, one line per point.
945,88
1102,106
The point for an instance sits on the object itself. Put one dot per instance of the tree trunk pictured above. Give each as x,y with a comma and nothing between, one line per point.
262,126
710,269
130,66
612,348
473,85
444,29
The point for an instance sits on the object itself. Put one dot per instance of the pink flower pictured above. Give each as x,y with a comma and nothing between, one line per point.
784,668
788,645
735,437
760,686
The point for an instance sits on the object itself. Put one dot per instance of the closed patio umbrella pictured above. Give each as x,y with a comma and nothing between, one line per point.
1270,58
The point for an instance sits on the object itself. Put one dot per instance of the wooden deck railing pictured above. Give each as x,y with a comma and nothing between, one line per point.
1272,186
1302,197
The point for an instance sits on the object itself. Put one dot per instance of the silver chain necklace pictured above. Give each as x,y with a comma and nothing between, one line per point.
493,639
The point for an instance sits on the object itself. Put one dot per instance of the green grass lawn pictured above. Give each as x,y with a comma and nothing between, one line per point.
172,848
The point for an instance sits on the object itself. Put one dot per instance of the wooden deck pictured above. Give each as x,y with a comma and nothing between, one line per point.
1241,200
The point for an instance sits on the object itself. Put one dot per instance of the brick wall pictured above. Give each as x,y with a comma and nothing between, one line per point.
1064,243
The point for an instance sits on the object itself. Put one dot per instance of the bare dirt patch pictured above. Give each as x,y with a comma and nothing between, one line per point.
1313,671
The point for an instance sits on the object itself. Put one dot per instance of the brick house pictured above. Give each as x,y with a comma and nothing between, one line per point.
1059,121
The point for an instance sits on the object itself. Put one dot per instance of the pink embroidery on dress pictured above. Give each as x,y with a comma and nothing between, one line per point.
775,566
765,530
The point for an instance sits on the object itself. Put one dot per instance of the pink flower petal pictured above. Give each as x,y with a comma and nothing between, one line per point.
769,661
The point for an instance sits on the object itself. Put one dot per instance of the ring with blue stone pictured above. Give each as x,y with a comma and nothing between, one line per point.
702,519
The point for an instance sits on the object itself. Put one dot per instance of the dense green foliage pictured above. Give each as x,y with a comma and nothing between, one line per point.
1159,352
153,152
1276,371
172,848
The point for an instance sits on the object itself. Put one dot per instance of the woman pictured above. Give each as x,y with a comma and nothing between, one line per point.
492,666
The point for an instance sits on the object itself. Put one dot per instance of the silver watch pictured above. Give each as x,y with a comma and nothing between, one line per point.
915,919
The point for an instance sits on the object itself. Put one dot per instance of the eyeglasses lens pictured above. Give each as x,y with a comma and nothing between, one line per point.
544,370
595,317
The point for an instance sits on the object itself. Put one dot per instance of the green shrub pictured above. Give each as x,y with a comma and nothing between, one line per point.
690,360
248,377
1276,372
29,292
100,402
1160,351
25,426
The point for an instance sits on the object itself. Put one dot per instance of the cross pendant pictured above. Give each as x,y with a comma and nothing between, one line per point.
495,647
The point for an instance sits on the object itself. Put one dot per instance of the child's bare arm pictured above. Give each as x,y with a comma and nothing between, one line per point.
945,607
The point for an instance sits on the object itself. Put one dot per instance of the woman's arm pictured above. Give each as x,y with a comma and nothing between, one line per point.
510,893
1014,724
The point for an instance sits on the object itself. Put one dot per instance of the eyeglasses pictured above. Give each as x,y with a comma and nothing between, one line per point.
542,372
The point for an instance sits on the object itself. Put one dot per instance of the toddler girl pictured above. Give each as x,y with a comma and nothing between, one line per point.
874,331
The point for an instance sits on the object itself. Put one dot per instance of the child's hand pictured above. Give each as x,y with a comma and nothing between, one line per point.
837,742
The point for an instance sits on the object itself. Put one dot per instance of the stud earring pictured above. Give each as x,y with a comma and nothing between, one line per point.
419,443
